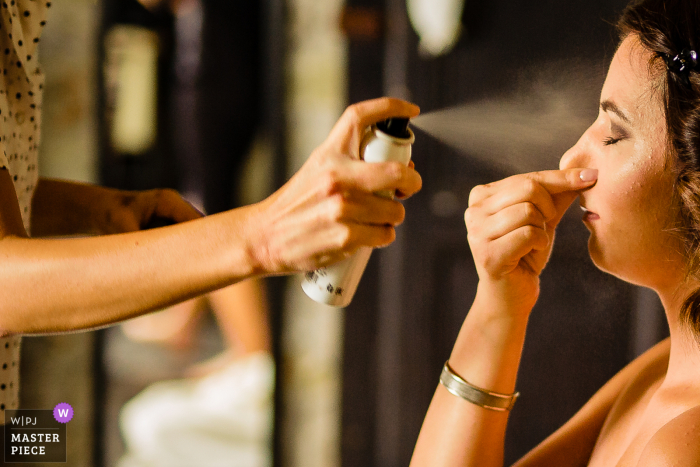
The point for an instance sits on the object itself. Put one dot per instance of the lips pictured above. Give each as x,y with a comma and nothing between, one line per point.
589,215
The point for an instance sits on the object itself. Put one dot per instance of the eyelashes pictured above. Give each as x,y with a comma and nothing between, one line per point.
609,141
617,132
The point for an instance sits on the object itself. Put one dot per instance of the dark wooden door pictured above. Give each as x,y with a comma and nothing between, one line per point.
416,293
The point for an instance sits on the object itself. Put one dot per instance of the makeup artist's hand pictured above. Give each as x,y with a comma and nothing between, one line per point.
511,225
64,208
328,209
128,211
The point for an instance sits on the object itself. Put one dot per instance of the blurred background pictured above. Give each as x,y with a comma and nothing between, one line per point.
135,96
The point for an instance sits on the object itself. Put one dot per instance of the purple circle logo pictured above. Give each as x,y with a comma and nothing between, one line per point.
63,413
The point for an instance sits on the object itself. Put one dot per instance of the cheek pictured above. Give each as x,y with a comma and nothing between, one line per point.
620,189
635,188
639,185
635,208
633,197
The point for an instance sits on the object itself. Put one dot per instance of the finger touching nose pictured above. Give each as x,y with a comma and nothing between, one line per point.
559,181
577,158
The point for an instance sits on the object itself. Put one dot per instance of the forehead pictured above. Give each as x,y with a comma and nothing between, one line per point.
631,84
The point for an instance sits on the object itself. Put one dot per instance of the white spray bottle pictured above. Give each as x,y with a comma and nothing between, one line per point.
335,285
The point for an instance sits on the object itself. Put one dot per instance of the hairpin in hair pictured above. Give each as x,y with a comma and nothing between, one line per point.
682,64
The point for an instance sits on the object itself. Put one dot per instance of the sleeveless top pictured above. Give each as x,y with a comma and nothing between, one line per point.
21,84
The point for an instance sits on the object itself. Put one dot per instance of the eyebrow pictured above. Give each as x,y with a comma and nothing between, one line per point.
609,106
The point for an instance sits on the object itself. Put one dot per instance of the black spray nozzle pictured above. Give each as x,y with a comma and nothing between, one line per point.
396,127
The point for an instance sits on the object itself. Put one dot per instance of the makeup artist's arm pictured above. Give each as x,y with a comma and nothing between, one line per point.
323,214
510,226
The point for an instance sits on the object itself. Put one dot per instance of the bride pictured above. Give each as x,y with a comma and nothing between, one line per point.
636,175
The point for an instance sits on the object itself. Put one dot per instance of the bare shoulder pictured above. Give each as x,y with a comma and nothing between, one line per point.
658,354
639,374
573,443
676,444
658,351
646,368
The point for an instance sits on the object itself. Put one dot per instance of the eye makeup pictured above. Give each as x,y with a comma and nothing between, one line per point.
617,134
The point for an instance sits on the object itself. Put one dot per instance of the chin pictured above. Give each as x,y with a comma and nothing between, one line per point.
634,268
600,260
611,263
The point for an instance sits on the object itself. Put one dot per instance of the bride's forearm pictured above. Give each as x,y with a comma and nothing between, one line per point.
487,355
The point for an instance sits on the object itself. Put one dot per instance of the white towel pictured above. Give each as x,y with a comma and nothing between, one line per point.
221,420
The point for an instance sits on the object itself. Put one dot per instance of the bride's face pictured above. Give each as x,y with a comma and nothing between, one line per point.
630,207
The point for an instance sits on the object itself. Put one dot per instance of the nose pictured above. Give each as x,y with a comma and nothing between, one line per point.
568,160
577,156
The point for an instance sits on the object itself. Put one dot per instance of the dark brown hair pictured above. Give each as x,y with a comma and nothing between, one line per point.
669,27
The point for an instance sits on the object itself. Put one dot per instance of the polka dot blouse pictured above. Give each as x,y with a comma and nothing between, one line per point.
21,83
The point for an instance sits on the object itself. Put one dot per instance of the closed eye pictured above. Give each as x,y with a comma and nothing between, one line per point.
610,140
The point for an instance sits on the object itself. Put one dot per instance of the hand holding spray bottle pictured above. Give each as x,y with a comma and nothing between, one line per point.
335,285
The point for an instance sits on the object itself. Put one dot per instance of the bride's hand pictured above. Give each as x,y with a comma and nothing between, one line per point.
511,225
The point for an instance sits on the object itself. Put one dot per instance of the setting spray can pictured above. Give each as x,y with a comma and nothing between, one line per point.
335,285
